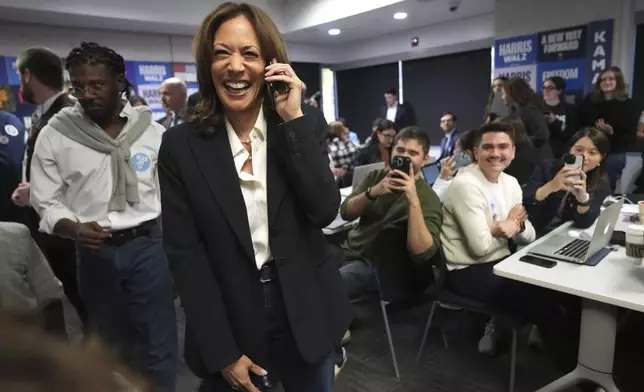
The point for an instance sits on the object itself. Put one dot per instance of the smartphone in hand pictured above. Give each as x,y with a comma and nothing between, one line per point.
400,163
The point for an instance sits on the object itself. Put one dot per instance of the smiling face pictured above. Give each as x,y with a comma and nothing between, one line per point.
494,153
607,82
592,155
238,65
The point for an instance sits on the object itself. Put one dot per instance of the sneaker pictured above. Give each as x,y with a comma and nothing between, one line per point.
341,361
487,344
535,339
346,338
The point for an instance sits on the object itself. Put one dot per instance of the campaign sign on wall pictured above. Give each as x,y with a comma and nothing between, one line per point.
577,54
515,51
148,77
525,72
188,73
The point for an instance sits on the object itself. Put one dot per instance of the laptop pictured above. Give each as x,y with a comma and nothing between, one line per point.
360,172
577,250
431,172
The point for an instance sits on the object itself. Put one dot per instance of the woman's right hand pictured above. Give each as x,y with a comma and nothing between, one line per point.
562,180
448,168
237,374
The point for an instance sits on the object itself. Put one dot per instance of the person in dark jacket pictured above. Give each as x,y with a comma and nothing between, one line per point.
12,148
555,195
526,157
609,108
561,116
524,103
379,147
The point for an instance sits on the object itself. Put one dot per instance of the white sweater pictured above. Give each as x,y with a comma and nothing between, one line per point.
468,217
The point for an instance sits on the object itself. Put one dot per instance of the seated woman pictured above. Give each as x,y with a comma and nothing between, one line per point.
555,194
379,147
342,151
464,143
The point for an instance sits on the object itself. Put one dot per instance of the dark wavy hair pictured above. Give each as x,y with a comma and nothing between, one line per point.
467,141
209,111
621,87
520,92
518,127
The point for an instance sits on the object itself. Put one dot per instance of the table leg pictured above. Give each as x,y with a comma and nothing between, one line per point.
596,349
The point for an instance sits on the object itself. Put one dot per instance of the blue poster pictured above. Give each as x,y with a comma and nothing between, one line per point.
562,44
147,77
599,50
515,51
572,71
12,70
4,79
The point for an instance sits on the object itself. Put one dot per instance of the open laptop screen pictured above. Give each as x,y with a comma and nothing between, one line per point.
431,172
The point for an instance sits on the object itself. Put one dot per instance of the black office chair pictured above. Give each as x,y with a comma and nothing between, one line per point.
442,295
399,278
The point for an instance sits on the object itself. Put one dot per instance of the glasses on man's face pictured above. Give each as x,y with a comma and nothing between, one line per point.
549,88
92,88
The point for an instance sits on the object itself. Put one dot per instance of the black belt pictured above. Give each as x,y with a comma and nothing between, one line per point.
120,237
268,272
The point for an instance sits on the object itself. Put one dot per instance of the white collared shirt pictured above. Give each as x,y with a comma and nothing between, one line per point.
392,111
253,186
69,180
45,106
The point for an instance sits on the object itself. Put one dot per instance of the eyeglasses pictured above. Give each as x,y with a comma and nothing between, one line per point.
92,88
549,88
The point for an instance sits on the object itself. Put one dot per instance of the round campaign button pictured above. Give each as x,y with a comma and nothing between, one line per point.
11,130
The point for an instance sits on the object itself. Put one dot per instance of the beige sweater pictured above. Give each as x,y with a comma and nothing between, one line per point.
467,218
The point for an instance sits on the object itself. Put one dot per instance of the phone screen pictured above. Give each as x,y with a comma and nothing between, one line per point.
461,159
538,261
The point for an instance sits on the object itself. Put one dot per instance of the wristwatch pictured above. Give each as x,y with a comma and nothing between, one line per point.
368,195
584,203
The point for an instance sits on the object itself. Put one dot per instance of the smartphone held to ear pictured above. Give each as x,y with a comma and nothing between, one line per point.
400,163
461,159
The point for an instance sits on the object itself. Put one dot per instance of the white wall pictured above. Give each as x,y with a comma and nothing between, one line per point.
14,38
457,36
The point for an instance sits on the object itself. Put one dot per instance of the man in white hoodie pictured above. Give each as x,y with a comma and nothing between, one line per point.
94,180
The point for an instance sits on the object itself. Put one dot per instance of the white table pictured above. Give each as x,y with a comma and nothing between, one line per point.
612,284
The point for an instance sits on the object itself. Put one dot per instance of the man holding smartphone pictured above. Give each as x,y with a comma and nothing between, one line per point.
377,202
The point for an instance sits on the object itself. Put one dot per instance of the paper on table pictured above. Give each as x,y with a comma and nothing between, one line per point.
629,215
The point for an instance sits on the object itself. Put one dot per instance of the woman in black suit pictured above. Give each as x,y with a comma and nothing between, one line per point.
246,190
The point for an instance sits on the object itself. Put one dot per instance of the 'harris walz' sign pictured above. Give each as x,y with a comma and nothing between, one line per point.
577,54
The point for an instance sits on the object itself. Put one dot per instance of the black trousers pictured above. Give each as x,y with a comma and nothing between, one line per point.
556,314
286,363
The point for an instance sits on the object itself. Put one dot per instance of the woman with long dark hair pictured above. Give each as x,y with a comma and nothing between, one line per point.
246,190
524,103
556,193
609,108
379,147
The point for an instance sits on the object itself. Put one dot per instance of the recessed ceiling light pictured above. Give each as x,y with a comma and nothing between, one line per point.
334,32
400,15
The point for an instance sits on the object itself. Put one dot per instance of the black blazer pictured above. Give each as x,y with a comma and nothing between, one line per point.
208,242
405,115
536,126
